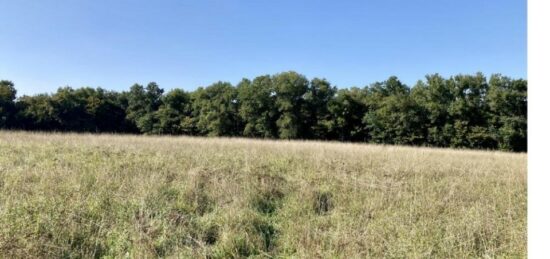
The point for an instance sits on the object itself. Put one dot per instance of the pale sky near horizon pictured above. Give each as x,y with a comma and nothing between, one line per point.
114,44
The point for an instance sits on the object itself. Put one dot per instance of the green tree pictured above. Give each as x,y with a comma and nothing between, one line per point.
394,117
70,109
7,104
37,113
346,110
290,88
257,107
316,109
173,113
469,112
507,101
106,108
142,106
216,110
434,96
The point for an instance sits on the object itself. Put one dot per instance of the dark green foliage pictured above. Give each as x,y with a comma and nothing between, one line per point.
346,110
394,117
469,111
173,114
7,104
434,99
316,110
216,110
257,107
142,106
461,111
37,113
290,88
84,109
507,101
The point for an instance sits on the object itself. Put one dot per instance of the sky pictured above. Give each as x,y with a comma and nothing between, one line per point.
46,44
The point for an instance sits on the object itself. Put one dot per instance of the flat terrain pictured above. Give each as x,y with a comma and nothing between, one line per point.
83,195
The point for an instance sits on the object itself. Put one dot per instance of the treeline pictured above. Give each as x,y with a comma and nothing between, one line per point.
459,111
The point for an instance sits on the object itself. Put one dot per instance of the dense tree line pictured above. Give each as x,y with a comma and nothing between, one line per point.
459,111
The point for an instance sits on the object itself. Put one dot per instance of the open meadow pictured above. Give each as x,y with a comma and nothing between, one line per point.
85,195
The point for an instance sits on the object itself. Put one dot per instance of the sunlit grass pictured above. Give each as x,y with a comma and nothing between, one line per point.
71,195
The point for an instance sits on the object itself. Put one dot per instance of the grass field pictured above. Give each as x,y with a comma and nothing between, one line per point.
73,195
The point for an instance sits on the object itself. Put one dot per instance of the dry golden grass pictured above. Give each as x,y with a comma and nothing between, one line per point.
83,195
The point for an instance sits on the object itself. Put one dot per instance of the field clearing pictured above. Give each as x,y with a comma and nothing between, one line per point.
84,195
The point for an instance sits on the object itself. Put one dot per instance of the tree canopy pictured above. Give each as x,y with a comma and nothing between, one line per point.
467,111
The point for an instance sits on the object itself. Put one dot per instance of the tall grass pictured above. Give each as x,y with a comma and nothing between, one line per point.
79,195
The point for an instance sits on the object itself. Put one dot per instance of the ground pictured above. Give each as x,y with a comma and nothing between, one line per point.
85,195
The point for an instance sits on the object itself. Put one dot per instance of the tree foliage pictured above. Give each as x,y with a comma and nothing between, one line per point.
7,104
257,107
290,88
216,110
460,111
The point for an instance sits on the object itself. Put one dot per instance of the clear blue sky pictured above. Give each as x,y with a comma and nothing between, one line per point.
113,44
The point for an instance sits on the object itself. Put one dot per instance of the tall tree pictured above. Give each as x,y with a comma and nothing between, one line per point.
346,111
142,105
320,93
434,96
290,88
216,110
7,104
257,107
70,109
469,112
107,110
394,117
37,113
173,113
507,101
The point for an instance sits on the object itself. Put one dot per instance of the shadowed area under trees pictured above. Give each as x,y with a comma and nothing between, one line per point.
469,111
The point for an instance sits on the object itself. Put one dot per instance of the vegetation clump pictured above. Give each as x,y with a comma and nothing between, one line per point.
323,202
